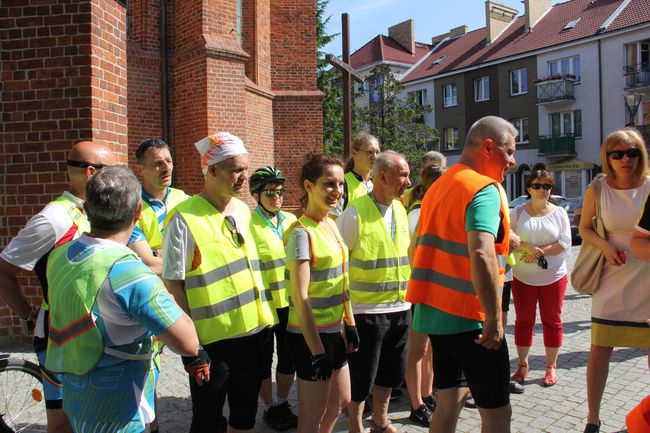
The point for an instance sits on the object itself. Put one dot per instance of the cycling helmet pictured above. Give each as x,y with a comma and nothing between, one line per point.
264,175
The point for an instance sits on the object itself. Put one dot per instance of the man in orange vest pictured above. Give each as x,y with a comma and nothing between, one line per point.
458,272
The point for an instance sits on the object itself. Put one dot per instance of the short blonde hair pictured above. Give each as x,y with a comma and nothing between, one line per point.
627,136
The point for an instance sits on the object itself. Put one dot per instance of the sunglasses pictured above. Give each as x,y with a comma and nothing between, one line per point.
542,263
635,152
84,164
544,186
273,192
231,225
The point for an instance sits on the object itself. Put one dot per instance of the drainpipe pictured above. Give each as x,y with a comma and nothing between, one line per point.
600,97
164,77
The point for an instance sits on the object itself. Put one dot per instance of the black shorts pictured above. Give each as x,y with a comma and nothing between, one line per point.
459,361
381,358
505,297
301,355
285,363
236,370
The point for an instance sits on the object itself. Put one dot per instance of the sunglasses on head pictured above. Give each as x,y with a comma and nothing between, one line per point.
544,186
635,152
273,192
231,225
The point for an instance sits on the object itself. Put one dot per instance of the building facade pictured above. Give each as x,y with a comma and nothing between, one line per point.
119,72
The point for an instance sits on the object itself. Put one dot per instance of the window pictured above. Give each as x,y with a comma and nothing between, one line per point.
519,81
438,60
571,24
451,138
482,89
449,97
375,84
420,98
522,126
566,123
565,66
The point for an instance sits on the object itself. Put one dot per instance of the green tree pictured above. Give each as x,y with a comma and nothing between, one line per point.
397,121
329,82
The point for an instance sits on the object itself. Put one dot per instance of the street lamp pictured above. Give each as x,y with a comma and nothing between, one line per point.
632,102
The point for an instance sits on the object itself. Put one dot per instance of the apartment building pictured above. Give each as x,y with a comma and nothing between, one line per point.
558,72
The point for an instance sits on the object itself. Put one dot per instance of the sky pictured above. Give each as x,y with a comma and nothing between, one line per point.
369,18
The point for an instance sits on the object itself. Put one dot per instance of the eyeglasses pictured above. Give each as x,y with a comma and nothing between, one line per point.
84,164
544,186
231,225
635,152
273,192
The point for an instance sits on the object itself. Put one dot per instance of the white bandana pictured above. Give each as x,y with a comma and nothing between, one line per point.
218,147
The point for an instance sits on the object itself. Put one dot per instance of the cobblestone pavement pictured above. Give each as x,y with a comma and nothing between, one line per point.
561,408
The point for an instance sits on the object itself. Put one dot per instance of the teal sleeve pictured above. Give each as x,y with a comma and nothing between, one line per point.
483,212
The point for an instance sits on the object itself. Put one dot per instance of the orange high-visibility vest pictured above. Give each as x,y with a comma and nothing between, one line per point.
638,420
441,275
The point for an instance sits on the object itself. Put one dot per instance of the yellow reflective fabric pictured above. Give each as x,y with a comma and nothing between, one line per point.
328,291
149,222
355,187
75,344
225,293
379,267
78,218
270,250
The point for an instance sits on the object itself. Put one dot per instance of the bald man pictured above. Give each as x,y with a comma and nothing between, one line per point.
59,222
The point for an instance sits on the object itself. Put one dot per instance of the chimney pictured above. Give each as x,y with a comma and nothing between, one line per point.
497,17
457,31
535,9
404,34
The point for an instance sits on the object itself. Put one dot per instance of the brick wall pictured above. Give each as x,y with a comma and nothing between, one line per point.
53,85
297,107
70,71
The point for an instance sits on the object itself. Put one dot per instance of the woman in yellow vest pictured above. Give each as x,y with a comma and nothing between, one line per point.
365,148
319,300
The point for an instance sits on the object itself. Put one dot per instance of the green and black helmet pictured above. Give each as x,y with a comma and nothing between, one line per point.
264,175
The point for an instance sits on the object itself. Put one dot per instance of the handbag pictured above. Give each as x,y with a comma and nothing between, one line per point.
589,265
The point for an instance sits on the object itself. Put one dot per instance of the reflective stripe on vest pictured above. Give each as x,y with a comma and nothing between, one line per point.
76,345
149,222
379,266
272,258
441,275
225,293
355,187
328,293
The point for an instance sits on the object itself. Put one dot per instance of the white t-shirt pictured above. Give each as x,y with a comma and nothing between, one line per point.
539,231
348,224
39,236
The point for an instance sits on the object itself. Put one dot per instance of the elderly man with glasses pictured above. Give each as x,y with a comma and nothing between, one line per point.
62,220
211,266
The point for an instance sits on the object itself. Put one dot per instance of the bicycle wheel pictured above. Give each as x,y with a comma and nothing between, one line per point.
22,405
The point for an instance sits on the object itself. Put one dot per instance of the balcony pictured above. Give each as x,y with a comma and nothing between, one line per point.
637,76
556,89
557,146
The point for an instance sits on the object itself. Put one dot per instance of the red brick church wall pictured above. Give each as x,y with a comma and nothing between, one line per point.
91,70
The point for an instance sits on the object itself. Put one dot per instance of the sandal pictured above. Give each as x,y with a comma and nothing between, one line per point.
592,428
520,374
384,428
550,378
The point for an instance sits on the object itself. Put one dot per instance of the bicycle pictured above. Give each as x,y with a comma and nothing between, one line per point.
22,405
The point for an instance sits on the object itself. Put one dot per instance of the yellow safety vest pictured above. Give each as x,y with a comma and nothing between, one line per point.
225,293
149,222
355,187
80,220
75,344
270,250
328,292
379,266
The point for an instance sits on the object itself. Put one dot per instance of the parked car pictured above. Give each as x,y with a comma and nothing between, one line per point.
569,204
